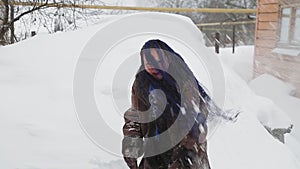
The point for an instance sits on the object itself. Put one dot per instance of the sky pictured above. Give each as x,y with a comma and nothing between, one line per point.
123,2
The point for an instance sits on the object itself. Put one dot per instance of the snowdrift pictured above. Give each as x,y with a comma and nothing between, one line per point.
38,120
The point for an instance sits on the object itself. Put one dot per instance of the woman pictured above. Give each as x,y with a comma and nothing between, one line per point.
167,121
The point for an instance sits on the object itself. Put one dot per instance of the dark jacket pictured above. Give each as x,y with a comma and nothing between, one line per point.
187,151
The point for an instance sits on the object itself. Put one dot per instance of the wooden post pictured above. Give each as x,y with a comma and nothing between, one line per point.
233,38
217,42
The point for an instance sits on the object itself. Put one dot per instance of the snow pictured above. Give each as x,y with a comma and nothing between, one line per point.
281,94
40,129
241,61
265,85
233,145
37,113
290,52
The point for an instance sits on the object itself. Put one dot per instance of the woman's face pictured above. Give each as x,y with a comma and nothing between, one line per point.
156,63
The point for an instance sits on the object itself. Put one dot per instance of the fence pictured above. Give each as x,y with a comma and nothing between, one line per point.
202,10
202,26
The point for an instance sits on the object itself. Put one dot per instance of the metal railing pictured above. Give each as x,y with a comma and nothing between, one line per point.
202,10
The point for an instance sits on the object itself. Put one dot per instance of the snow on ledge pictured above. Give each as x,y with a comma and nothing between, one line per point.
290,52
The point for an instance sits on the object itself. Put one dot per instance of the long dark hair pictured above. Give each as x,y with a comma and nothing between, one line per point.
179,69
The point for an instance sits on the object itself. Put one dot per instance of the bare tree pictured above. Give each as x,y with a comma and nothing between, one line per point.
48,14
4,25
8,24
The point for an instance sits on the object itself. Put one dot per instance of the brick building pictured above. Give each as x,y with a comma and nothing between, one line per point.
277,40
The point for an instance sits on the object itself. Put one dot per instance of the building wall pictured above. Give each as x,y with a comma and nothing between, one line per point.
284,67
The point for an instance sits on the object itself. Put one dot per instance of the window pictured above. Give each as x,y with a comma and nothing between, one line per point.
289,34
296,35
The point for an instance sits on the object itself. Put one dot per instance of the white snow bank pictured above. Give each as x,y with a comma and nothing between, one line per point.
273,88
39,128
38,120
267,112
241,61
253,146
293,144
246,144
280,93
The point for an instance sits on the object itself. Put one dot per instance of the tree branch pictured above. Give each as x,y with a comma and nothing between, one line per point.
45,5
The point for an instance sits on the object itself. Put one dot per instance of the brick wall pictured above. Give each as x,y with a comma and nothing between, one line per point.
286,68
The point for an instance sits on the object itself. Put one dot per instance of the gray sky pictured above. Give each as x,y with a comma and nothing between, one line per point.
120,2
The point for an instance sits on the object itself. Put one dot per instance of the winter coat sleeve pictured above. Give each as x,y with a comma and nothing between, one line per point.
132,144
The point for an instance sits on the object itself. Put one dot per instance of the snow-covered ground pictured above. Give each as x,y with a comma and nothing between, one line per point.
40,130
267,97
